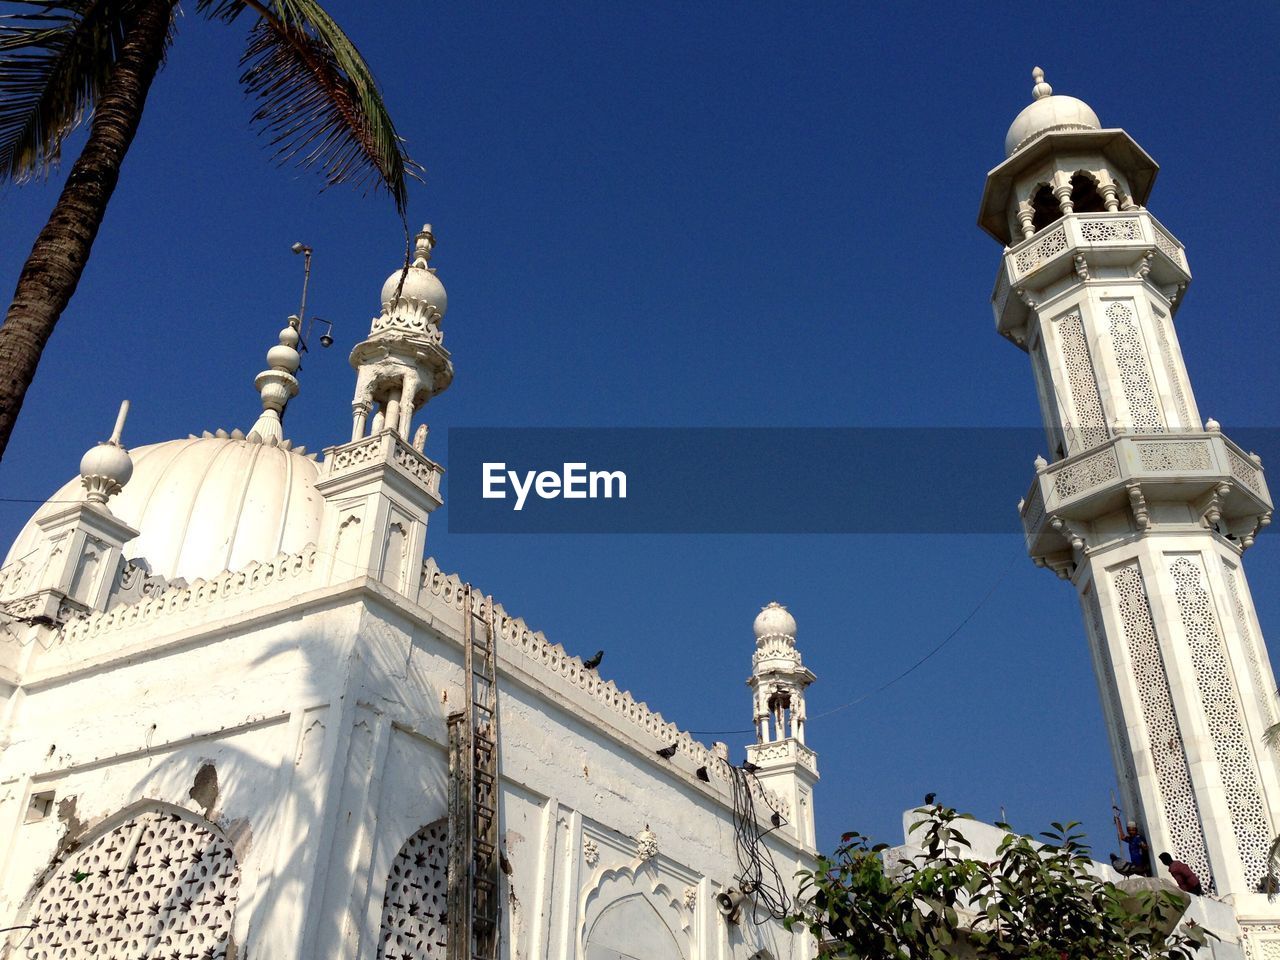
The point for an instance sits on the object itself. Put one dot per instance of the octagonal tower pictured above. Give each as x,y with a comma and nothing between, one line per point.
1145,508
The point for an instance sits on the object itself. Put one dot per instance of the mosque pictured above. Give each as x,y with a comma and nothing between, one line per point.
244,717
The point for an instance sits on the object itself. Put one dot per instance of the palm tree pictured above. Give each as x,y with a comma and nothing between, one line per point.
316,101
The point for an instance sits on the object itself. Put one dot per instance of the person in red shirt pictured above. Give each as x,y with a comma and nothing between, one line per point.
1183,875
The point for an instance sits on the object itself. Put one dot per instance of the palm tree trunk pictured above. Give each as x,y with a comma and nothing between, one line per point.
53,269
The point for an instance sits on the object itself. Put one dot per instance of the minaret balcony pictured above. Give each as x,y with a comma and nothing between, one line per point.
1080,246
777,753
1205,477
381,451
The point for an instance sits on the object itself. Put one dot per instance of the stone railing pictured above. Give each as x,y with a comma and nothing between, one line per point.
1196,458
534,647
1074,231
384,447
784,750
285,571
1167,245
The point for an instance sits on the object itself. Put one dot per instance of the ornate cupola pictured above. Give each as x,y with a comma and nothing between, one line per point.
380,487
1142,506
403,364
778,681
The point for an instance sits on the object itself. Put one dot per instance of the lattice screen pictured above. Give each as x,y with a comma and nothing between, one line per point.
1126,770
157,887
1164,332
413,910
1090,424
1181,812
1135,375
1220,701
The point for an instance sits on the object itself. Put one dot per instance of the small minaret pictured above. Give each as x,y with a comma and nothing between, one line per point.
82,543
380,486
1141,506
778,681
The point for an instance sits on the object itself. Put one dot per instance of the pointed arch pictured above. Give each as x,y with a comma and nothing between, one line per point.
631,908
632,928
149,881
413,908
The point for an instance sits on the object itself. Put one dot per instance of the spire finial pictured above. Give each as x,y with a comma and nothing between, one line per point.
107,467
1041,89
423,244
277,384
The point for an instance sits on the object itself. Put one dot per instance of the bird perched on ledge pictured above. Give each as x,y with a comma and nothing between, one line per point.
593,662
666,753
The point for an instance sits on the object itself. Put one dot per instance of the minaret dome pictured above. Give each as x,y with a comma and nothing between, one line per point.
1048,113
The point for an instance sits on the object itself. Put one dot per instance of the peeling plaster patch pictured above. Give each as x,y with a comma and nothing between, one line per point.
75,826
204,791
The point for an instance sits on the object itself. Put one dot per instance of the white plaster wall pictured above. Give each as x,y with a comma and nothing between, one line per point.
322,711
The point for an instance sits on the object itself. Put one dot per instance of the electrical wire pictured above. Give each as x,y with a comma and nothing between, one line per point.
758,875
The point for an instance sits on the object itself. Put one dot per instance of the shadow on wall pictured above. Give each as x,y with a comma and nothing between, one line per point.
216,836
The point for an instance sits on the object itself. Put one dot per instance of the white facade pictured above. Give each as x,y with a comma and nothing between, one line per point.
226,681
1143,507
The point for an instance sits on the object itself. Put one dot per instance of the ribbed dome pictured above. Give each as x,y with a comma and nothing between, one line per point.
1046,114
206,504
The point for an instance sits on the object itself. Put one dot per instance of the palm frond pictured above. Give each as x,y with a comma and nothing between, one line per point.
1271,736
54,62
318,100
224,10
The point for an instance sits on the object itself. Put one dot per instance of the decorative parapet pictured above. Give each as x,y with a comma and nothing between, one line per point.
1075,243
533,647
281,575
783,751
421,321
1093,232
385,448
1207,470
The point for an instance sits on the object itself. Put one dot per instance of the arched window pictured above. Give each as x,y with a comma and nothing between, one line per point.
1085,197
631,929
163,883
413,910
1044,206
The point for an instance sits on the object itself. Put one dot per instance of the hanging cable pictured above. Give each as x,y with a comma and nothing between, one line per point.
758,875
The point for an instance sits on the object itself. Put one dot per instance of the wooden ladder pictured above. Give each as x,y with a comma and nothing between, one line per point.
473,904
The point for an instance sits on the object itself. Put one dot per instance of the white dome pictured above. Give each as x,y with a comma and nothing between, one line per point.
421,286
205,504
1050,114
1047,114
774,621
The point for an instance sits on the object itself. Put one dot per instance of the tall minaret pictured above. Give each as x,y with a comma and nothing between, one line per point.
778,681
1144,508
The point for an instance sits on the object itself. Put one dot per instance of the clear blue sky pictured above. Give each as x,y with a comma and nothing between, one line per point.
703,214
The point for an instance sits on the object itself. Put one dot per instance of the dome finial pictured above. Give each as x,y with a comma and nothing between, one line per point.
107,467
423,244
277,384
1041,89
